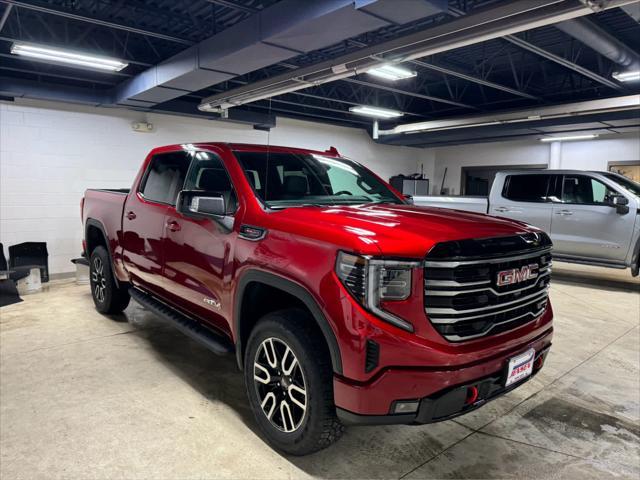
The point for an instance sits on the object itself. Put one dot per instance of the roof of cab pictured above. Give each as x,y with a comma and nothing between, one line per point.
248,147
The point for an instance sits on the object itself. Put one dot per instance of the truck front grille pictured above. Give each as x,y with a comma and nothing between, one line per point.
500,285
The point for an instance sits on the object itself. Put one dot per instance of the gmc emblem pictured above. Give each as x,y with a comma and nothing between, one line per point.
517,275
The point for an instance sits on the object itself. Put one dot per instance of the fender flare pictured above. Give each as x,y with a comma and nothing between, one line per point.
91,222
296,290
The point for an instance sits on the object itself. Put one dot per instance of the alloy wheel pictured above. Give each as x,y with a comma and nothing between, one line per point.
280,385
99,280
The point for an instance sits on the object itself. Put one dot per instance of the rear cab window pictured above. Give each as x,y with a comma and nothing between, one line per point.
533,188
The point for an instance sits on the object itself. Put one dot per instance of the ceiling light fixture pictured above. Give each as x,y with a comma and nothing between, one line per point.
630,76
375,112
568,138
56,55
391,72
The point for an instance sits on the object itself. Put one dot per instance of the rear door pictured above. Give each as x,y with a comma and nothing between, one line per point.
144,217
586,225
198,252
525,197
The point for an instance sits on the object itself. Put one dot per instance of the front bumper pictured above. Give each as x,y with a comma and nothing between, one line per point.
374,404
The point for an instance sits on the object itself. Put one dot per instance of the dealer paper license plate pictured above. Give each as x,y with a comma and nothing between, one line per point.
520,367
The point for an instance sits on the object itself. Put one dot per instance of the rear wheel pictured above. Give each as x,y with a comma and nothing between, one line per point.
289,382
107,297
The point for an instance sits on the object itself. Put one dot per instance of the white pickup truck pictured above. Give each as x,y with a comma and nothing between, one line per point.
592,217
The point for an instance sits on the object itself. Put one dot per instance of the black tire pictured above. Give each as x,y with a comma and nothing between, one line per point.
107,297
318,426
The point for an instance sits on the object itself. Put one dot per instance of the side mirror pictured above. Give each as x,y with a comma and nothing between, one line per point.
200,204
620,202
408,198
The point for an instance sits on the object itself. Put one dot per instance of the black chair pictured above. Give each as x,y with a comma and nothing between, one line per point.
30,254
14,274
8,278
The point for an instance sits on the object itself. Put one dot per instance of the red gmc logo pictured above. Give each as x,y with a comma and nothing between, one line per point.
517,275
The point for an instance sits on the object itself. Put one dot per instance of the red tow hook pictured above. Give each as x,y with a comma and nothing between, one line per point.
472,395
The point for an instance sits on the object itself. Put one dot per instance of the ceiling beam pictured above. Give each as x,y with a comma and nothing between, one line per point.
406,92
455,12
95,21
235,6
473,79
305,114
56,75
562,61
5,15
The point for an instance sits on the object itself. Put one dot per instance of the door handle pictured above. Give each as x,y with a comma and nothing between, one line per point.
131,215
173,226
501,209
564,213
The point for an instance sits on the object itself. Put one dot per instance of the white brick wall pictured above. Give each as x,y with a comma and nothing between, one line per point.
50,153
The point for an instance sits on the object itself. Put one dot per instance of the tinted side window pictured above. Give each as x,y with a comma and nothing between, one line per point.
585,190
165,177
207,173
526,188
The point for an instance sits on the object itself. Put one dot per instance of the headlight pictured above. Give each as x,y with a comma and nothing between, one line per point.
370,281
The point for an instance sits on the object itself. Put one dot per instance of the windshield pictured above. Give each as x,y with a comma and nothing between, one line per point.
633,187
294,179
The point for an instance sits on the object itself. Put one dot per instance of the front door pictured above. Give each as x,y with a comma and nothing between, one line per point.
585,224
144,216
198,252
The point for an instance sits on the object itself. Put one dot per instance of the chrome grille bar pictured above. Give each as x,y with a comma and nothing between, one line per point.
450,293
457,338
453,311
462,296
538,297
454,264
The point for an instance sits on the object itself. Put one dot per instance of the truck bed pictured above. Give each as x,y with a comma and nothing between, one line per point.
106,208
467,203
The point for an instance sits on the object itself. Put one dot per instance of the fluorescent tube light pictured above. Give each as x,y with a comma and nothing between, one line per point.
630,76
375,112
571,137
391,72
56,55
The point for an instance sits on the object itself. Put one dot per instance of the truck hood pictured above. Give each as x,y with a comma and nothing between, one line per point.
392,230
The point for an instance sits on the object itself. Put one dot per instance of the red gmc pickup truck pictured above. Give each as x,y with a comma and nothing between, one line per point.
343,303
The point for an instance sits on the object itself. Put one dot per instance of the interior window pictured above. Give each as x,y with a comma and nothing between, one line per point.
165,177
585,190
527,188
208,174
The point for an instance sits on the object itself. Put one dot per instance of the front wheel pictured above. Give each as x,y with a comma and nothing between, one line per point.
289,382
107,297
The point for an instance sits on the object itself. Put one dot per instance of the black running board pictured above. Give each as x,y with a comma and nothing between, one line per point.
191,328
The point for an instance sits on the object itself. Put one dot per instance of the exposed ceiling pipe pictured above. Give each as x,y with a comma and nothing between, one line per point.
606,105
505,19
602,42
